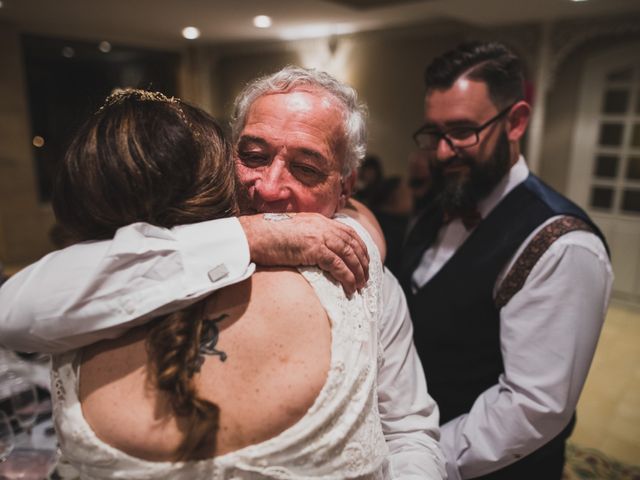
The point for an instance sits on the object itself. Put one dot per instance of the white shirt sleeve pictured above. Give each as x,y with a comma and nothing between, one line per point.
96,290
409,415
548,334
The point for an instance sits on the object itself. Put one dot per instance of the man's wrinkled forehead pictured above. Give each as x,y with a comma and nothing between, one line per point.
327,102
298,98
310,101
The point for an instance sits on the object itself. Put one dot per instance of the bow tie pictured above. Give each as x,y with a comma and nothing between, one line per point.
470,217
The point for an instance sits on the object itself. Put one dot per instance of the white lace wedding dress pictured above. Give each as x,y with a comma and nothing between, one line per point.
340,437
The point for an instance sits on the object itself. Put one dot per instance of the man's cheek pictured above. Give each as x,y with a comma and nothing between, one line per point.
244,173
244,198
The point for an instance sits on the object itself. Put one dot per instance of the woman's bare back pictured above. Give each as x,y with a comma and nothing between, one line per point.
277,341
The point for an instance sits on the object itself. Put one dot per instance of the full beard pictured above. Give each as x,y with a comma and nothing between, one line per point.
461,193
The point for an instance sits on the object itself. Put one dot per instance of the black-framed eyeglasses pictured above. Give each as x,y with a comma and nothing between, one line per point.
428,138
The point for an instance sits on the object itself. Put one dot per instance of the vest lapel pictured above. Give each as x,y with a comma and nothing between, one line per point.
421,236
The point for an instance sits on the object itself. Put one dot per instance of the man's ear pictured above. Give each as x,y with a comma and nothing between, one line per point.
518,120
347,188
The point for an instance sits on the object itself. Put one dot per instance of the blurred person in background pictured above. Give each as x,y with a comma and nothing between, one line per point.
369,179
392,205
419,180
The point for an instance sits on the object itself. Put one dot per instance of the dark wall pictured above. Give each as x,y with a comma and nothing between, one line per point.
68,80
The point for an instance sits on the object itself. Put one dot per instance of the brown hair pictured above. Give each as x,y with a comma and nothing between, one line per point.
144,157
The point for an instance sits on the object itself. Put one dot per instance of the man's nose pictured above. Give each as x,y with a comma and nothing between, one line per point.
271,184
445,150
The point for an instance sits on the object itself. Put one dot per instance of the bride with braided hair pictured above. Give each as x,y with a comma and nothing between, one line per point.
271,377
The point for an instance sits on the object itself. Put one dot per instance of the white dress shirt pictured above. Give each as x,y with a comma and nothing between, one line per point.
548,335
76,296
95,290
409,415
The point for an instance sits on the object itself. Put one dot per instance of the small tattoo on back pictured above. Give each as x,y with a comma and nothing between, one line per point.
209,339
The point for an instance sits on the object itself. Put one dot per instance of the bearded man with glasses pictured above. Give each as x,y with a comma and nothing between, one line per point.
507,280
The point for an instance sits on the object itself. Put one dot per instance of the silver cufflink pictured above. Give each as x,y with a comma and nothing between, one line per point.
218,272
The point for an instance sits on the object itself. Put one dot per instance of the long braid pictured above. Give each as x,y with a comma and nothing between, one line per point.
173,345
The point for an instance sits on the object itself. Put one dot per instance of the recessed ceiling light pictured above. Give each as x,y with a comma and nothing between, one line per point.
190,33
104,47
38,141
262,21
68,52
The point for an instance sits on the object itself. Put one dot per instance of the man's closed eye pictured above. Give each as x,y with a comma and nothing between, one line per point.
253,159
307,174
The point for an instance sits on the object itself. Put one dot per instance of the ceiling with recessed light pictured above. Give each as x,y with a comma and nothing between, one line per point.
160,22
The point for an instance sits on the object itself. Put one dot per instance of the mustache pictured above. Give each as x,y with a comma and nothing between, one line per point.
254,204
438,166
457,160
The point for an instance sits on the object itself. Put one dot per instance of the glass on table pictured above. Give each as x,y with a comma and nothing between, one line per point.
7,439
28,464
24,400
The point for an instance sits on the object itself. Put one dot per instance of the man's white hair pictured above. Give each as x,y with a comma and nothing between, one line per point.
289,79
